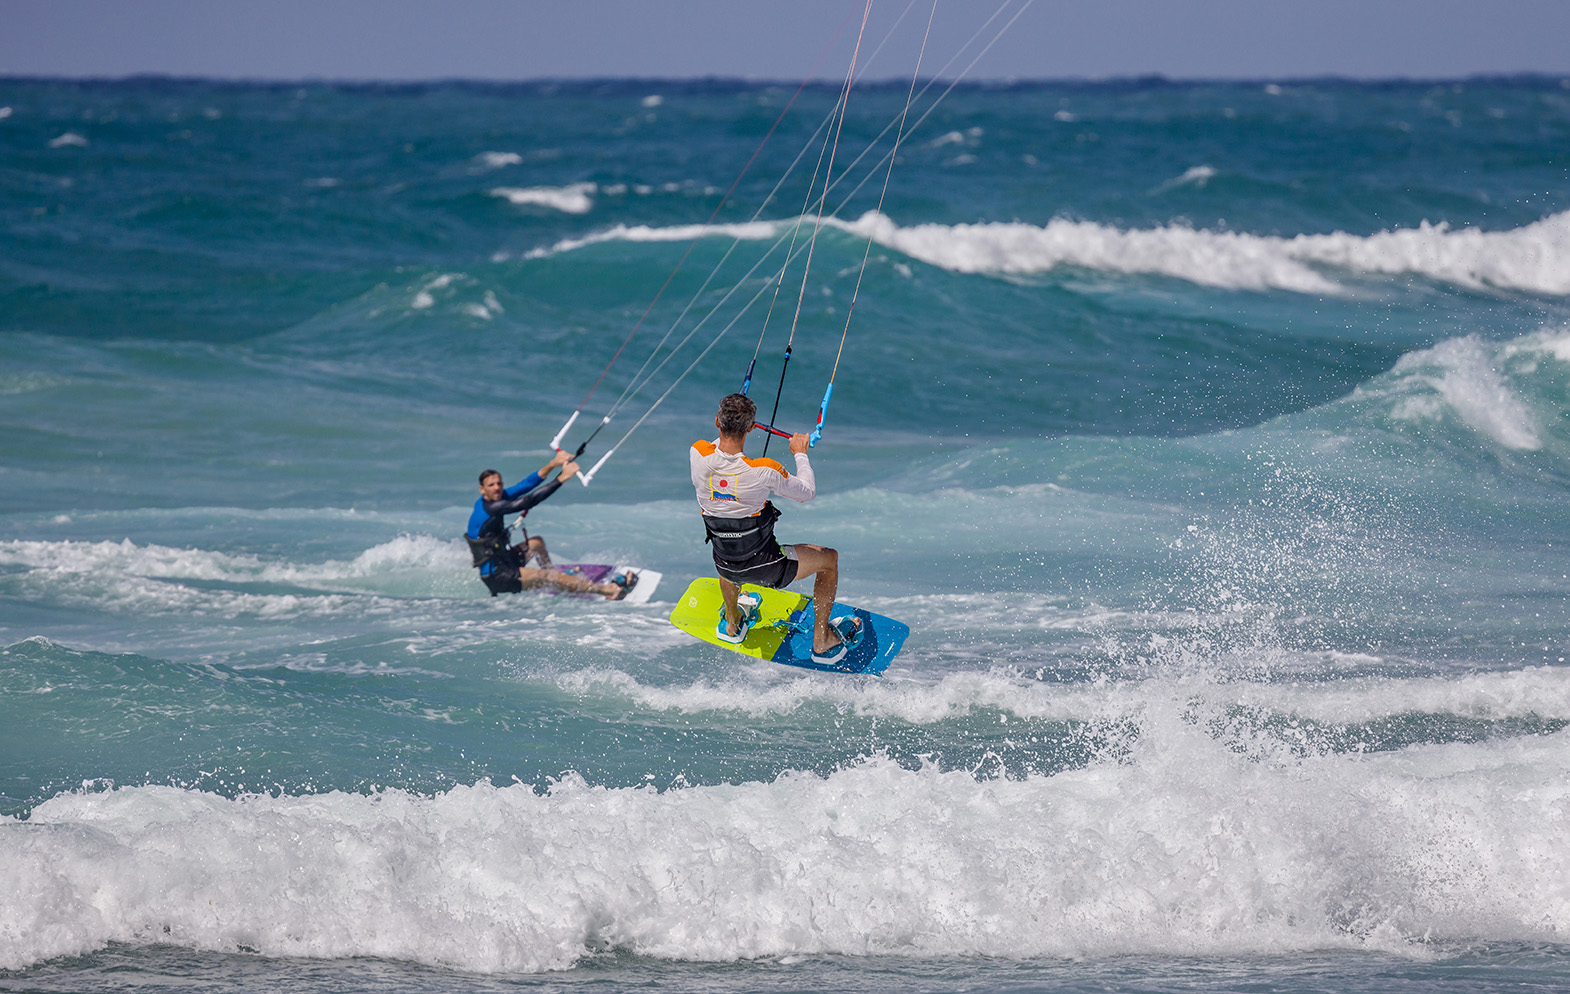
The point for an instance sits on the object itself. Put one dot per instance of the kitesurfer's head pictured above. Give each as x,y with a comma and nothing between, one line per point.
736,416
491,485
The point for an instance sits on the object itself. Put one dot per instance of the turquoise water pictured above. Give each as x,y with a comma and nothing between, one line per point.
1212,440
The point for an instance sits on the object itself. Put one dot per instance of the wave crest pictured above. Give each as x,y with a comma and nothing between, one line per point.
1182,847
574,198
1534,258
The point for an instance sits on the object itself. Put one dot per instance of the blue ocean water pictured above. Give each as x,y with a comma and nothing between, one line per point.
1212,439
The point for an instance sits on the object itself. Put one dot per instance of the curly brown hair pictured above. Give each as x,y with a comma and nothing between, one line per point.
737,415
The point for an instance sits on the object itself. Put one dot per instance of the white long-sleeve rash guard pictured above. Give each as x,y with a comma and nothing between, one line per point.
735,486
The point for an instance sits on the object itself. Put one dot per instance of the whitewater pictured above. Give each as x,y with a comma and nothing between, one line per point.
1212,439
1535,258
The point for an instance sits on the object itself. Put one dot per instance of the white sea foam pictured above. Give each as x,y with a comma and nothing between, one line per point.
1180,846
68,140
760,690
498,160
1552,343
1214,259
427,294
1461,376
124,556
751,231
114,577
1194,176
424,297
408,577
1534,258
969,137
765,690
5,112
486,309
574,198
1534,692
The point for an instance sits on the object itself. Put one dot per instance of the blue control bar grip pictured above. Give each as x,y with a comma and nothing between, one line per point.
817,429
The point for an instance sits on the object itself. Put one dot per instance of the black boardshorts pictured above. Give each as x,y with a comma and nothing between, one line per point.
503,577
773,567
503,584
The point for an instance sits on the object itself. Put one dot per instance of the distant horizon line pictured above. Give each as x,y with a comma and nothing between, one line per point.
1561,78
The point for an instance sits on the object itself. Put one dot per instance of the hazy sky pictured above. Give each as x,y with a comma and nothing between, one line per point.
781,40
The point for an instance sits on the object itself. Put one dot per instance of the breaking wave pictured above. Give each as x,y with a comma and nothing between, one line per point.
1184,846
1534,258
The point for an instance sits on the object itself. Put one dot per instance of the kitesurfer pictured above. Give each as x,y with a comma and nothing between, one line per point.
733,492
502,565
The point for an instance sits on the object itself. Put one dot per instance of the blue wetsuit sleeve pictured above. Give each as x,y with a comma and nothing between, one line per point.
524,485
522,502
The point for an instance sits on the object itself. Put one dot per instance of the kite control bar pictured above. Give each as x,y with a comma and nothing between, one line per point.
586,478
817,429
812,439
556,444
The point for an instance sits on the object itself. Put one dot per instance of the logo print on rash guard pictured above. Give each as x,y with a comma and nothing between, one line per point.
722,487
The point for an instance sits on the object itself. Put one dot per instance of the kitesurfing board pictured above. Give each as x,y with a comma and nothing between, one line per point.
641,591
783,632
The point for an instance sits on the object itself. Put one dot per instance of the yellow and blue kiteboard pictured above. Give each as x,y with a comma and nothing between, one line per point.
783,631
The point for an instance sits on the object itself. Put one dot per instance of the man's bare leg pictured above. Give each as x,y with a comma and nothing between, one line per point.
729,592
824,565
537,550
531,577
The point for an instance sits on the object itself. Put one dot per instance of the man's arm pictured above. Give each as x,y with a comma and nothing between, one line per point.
522,502
561,458
537,477
804,485
523,486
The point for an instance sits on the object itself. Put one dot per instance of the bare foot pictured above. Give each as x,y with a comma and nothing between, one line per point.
616,591
821,649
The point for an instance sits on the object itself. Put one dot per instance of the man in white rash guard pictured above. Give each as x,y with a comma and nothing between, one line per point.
733,494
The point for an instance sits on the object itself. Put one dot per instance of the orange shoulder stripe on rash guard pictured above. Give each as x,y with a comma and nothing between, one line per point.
704,447
765,464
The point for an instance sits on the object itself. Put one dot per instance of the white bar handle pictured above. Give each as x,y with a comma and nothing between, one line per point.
586,477
556,442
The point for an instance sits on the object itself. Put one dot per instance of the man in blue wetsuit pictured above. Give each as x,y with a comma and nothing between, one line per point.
502,565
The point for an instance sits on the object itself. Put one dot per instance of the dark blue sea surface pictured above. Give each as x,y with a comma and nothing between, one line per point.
1212,439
